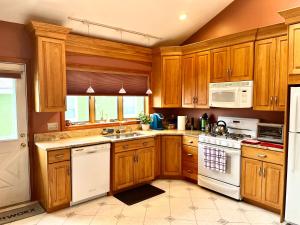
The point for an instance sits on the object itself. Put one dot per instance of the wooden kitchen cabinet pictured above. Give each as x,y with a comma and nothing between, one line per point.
52,179
132,166
251,179
59,184
50,67
270,76
220,63
272,185
262,176
234,63
195,79
294,54
171,155
157,160
190,158
166,79
124,170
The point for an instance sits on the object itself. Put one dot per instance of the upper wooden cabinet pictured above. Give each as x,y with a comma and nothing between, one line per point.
50,67
195,79
234,63
166,80
292,18
270,76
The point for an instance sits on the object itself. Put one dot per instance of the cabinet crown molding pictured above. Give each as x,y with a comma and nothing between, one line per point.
49,30
291,16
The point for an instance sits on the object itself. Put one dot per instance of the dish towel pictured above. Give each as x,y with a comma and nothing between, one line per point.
215,158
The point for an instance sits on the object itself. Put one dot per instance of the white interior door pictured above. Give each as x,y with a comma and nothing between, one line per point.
14,154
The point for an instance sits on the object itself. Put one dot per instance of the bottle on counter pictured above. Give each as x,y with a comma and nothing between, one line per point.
203,122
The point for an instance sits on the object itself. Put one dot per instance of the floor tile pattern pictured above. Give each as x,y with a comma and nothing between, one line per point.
183,203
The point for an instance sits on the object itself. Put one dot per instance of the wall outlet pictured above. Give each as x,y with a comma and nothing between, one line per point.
52,126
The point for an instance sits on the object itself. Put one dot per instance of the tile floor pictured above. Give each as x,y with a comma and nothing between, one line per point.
182,204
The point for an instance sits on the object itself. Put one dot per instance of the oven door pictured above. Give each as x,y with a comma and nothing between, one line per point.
233,165
224,97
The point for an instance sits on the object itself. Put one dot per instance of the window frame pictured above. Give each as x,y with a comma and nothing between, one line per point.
92,123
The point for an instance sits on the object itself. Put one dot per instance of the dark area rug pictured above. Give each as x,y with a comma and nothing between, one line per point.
21,213
138,194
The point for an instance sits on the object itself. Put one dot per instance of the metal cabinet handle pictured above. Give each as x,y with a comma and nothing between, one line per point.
145,143
189,171
23,145
125,146
264,172
260,171
189,154
271,100
261,156
59,156
276,100
191,141
79,149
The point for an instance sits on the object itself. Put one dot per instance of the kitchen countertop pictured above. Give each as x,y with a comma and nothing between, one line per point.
92,140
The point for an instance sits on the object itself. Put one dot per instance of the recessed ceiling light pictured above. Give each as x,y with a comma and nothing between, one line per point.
183,16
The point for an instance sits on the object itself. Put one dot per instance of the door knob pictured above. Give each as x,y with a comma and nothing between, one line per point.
22,135
23,145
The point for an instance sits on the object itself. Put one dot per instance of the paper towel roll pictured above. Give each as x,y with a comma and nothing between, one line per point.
181,122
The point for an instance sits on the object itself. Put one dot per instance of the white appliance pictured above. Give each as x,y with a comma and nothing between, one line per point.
292,209
90,172
231,94
227,183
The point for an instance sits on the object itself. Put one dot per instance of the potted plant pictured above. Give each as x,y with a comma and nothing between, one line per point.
145,121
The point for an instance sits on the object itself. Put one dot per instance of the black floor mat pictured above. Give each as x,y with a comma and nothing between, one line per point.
138,194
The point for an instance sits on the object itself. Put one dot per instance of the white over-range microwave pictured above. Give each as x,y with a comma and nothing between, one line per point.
231,94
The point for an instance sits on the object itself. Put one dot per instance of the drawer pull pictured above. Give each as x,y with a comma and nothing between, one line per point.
189,154
191,142
261,156
79,149
145,143
264,172
189,171
125,146
59,156
260,171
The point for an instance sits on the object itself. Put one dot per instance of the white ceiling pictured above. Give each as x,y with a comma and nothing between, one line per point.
155,17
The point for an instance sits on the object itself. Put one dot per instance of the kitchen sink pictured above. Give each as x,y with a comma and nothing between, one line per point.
124,136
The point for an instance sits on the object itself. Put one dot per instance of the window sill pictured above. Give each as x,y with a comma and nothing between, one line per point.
98,125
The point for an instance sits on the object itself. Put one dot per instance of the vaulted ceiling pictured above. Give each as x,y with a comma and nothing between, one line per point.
155,17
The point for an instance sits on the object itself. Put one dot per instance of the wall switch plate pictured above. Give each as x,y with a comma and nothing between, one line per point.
52,126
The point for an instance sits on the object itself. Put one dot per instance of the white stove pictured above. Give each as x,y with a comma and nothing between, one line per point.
227,183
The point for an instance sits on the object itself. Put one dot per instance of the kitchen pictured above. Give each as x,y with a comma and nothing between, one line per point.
221,104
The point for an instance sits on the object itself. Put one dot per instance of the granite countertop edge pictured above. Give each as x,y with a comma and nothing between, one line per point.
93,140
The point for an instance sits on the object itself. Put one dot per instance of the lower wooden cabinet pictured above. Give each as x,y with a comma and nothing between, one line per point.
59,184
171,155
262,180
52,178
131,167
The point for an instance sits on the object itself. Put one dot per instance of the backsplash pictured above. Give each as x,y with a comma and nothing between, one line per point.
213,113
55,136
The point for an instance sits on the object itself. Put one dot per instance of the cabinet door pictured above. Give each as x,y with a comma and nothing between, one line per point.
202,73
294,54
51,81
272,185
59,184
251,179
123,170
157,157
241,62
144,166
171,155
265,54
171,82
220,62
188,81
281,78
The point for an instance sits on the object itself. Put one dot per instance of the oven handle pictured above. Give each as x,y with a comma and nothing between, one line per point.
227,150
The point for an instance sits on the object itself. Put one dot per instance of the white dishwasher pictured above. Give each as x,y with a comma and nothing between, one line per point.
90,172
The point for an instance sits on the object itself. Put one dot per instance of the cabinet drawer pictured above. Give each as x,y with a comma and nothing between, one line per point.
135,144
190,170
189,154
188,140
263,155
59,155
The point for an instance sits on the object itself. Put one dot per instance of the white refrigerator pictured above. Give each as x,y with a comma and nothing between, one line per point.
292,210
